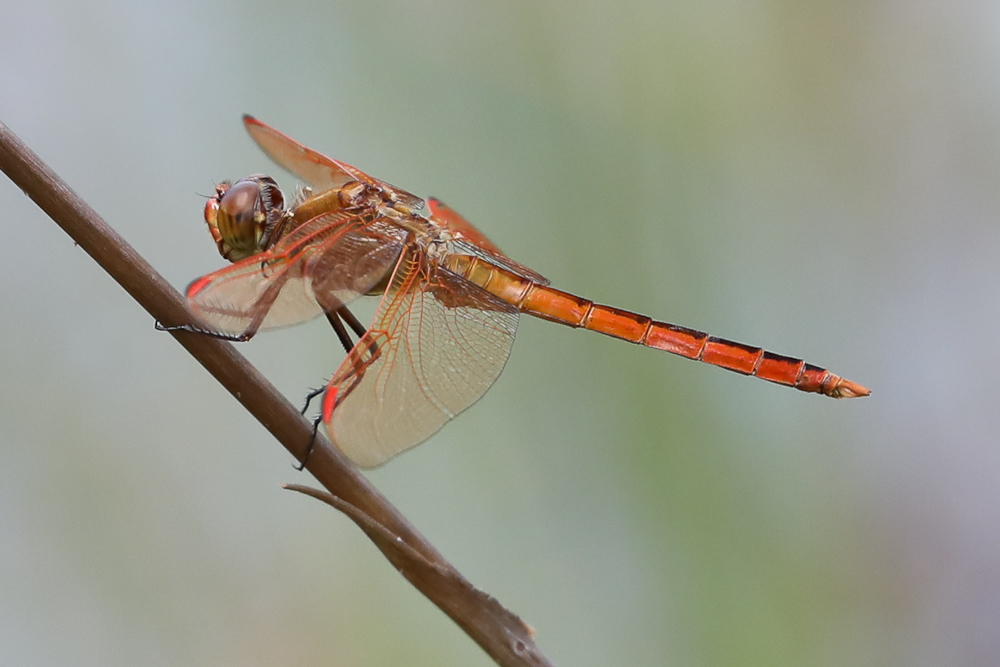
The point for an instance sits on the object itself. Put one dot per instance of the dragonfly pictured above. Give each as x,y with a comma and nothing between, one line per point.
449,299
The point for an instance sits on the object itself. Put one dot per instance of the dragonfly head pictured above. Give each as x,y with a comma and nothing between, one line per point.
244,216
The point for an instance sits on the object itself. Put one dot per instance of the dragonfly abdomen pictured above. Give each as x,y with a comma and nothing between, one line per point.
557,306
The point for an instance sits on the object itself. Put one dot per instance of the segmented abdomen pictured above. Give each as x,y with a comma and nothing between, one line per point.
557,306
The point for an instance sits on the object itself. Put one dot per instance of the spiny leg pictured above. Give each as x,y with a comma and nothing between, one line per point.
333,393
358,328
190,328
312,442
334,318
259,312
339,329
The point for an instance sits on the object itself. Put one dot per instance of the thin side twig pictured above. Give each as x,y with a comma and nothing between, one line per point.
500,633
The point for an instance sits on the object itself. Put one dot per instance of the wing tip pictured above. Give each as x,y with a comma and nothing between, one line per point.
198,285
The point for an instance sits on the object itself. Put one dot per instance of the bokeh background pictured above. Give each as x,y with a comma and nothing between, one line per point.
822,178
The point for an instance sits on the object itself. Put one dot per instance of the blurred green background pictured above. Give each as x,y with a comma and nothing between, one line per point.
817,177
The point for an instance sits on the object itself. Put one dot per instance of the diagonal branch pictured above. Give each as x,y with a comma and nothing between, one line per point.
506,638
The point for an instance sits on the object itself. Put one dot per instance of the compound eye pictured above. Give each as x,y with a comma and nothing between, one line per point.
240,220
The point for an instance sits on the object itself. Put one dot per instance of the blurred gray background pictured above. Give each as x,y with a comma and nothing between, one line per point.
819,178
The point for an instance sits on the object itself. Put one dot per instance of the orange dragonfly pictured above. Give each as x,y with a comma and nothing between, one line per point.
449,307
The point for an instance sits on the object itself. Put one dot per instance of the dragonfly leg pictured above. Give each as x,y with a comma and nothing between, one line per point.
260,311
313,393
338,327
312,443
363,355
343,313
334,318
190,328
358,328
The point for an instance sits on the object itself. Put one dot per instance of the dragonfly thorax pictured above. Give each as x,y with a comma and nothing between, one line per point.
355,194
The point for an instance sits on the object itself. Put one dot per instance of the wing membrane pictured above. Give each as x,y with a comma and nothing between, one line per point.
324,264
469,240
503,261
439,343
316,169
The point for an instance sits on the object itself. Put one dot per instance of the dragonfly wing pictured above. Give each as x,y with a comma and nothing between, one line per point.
324,264
316,169
470,241
461,228
439,343
503,261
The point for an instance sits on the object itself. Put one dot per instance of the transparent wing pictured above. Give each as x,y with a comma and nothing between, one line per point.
437,344
471,241
316,169
461,228
503,261
325,263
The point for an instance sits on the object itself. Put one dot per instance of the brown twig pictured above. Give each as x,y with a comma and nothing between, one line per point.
506,638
